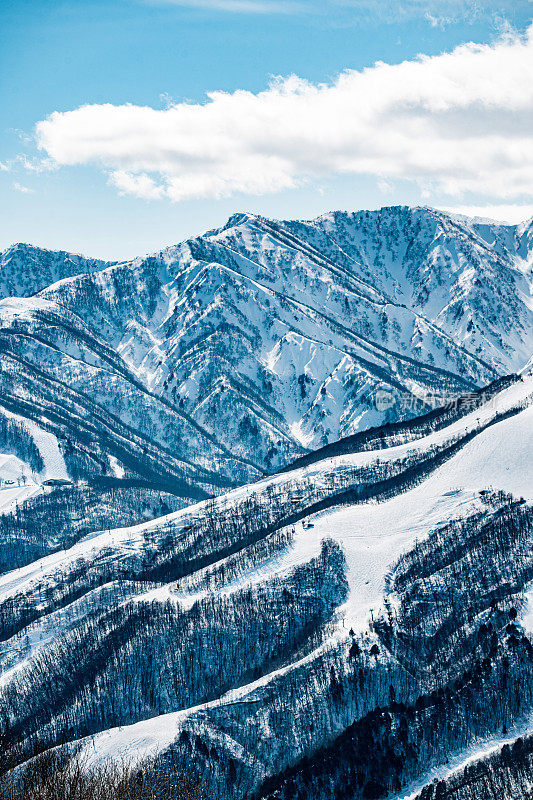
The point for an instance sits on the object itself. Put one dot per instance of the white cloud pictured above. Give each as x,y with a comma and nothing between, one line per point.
385,187
23,189
36,165
140,185
3,167
458,122
511,214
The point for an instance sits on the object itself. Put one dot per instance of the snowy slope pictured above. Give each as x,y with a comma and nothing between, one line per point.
498,457
17,481
20,479
372,537
278,612
495,442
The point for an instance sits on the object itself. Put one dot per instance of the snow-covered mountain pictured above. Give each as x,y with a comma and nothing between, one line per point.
245,347
25,270
266,506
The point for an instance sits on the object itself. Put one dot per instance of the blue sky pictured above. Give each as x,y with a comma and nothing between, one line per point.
121,180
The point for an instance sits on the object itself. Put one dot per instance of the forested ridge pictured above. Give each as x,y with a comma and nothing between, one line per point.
466,650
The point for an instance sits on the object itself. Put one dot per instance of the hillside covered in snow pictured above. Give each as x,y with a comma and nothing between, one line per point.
266,508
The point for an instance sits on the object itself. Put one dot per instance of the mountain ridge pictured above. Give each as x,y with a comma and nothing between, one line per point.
289,291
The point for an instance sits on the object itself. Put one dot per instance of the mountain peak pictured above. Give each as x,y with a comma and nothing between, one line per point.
26,269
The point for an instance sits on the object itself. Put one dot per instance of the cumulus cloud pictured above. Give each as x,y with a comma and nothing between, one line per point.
457,122
137,185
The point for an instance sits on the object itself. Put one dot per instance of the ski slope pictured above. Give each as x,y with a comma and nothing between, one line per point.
17,482
372,535
511,472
